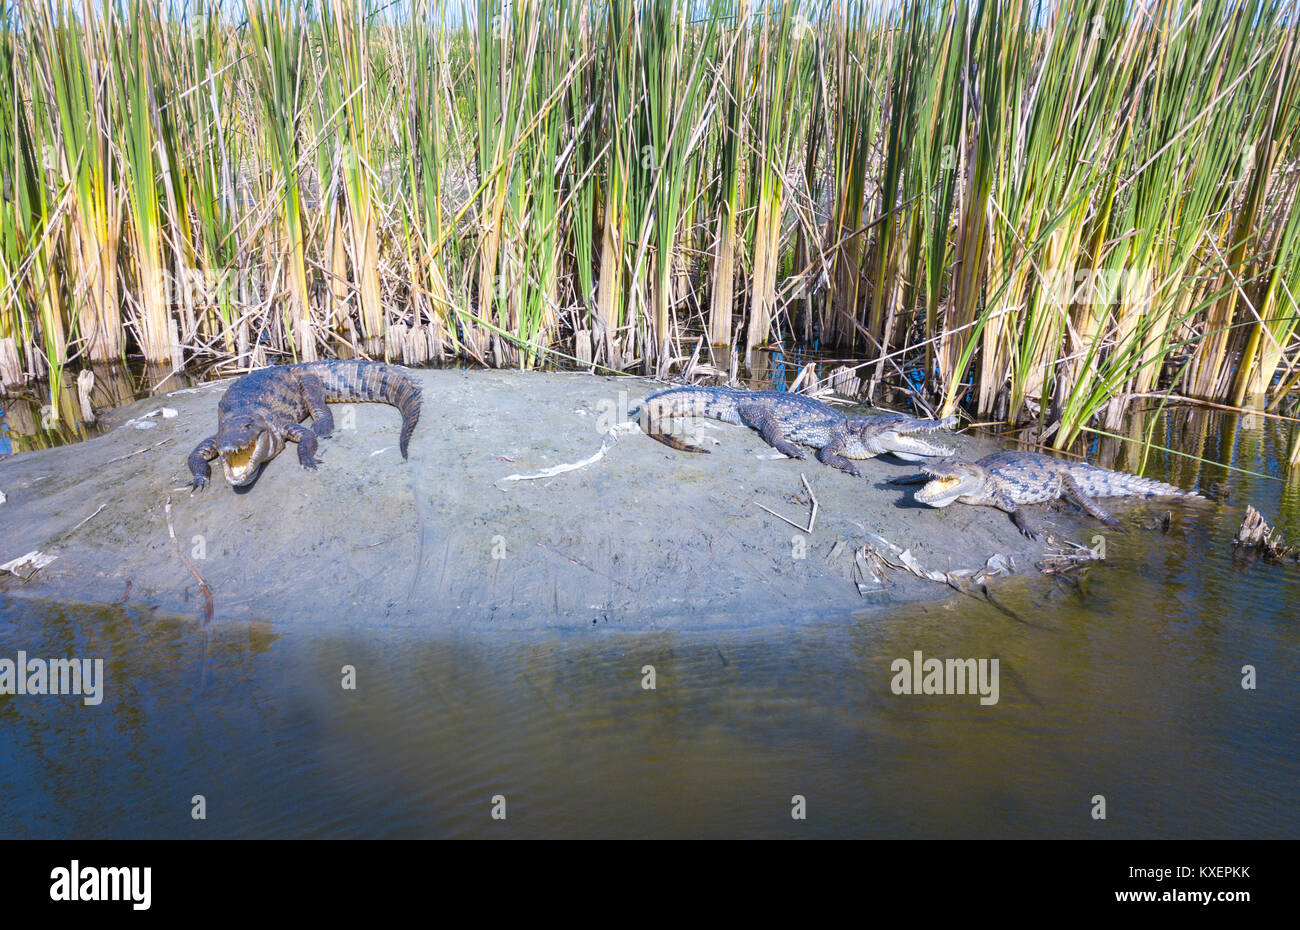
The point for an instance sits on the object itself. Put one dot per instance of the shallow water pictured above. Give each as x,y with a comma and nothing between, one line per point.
1123,681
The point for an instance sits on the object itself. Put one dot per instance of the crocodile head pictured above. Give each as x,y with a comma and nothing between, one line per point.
897,436
244,446
951,480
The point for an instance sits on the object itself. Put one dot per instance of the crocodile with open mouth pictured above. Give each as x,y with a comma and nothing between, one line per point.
783,419
1006,480
263,409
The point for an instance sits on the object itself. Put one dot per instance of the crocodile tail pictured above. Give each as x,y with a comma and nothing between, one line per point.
403,392
665,406
409,402
1102,482
372,382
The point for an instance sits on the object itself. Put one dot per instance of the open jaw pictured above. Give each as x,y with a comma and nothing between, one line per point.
941,491
911,448
240,464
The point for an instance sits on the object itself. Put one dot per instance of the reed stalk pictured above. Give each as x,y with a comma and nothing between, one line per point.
1033,212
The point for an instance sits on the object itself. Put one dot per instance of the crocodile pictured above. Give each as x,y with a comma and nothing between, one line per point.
1006,480
263,409
783,419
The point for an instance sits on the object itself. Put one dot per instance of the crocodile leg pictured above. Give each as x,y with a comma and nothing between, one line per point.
829,454
313,392
203,453
1071,491
306,440
761,419
1018,518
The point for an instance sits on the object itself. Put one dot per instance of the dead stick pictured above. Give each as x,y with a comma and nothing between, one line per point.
203,585
582,564
87,520
779,517
1184,399
138,451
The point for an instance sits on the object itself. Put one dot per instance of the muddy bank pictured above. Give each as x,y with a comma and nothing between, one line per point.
641,538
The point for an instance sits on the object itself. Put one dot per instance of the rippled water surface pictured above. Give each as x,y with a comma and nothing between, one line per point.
1123,682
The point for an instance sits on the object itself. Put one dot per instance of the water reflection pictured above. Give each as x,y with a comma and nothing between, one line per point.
1127,689
42,415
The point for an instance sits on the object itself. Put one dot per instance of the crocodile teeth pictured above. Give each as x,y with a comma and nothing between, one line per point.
238,463
940,492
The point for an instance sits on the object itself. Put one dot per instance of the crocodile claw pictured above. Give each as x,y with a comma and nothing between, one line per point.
198,483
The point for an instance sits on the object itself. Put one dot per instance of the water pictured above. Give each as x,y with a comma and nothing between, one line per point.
38,417
1123,682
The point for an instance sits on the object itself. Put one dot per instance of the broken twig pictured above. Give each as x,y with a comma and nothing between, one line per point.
812,517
